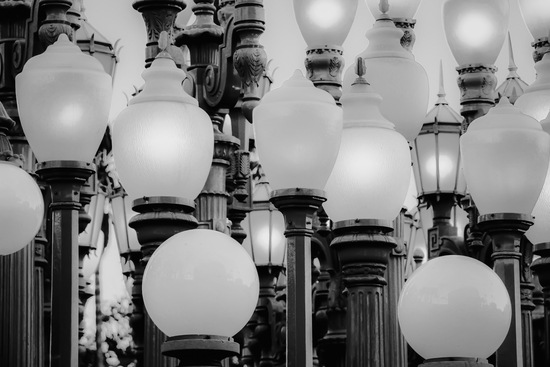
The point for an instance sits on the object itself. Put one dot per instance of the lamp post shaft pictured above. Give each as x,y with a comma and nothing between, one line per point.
65,179
298,207
541,267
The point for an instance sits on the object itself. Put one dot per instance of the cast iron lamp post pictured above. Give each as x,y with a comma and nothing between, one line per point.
63,100
367,188
298,130
182,286
455,312
505,159
437,168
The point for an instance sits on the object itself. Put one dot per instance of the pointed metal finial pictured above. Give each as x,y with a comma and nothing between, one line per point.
360,69
512,64
384,6
163,44
441,94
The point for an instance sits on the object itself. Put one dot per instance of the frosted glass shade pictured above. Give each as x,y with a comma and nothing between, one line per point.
454,306
265,226
189,274
505,159
540,230
95,209
400,9
298,130
475,29
394,74
535,101
122,212
63,99
163,142
22,208
371,176
325,22
536,14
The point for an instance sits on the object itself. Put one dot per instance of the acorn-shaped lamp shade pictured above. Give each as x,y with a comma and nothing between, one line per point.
454,306
505,160
188,276
63,99
371,175
475,29
22,209
298,130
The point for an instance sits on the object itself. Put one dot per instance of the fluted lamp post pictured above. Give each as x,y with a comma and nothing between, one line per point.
505,159
163,147
298,129
367,188
183,284
454,311
437,168
394,74
64,99
324,25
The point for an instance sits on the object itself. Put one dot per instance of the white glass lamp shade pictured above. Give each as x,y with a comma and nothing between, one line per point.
540,230
63,99
436,160
163,143
535,101
22,208
371,176
298,130
265,226
394,74
505,160
475,29
325,22
536,14
454,306
122,212
95,209
92,259
399,9
188,276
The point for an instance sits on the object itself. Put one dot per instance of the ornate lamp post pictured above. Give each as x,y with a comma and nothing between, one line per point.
444,313
505,197
298,130
437,168
63,110
367,188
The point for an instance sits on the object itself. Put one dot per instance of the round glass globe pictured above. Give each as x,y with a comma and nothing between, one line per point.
200,282
454,306
63,99
22,209
475,29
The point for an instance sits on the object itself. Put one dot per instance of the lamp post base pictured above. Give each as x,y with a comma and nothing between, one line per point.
200,350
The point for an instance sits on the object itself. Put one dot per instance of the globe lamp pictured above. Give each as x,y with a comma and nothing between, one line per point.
454,307
536,14
535,99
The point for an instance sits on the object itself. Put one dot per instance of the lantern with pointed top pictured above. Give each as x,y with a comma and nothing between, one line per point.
513,87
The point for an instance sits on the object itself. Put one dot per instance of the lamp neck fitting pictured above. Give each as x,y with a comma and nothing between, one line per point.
56,22
409,36
541,46
324,66
200,350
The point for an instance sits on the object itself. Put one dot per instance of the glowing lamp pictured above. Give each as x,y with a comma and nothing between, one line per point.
298,130
505,159
536,14
475,29
371,175
63,99
535,101
394,74
399,9
22,209
325,22
454,306
189,274
163,134
265,226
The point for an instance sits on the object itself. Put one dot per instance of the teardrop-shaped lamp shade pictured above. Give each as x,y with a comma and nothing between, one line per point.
536,14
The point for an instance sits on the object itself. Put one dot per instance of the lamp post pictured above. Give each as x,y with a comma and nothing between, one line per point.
505,198
297,146
367,188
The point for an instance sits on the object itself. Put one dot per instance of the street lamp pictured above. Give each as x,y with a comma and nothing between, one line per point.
536,14
183,284
63,99
454,311
367,188
505,159
298,130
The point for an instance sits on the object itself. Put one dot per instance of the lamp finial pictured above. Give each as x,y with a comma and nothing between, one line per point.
441,94
163,45
384,7
360,68
512,64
